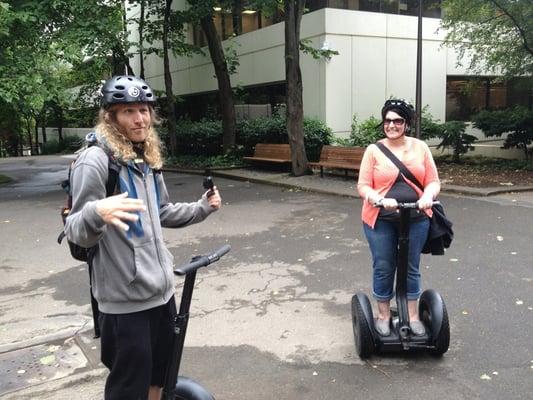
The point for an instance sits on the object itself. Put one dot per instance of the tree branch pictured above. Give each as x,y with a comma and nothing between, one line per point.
527,47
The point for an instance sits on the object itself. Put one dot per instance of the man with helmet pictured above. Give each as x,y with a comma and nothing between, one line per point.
380,181
132,270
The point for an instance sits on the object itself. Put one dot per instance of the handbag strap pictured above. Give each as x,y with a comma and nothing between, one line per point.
403,169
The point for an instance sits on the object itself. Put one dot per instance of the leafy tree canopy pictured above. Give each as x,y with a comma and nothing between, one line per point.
492,34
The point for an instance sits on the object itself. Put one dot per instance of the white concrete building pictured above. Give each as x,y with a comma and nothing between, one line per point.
376,60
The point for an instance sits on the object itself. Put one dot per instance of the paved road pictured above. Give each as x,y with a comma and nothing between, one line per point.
272,319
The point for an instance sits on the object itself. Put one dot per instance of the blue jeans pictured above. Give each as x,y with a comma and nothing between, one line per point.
383,242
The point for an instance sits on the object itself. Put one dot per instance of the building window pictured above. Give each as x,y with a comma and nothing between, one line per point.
430,8
466,96
206,105
236,21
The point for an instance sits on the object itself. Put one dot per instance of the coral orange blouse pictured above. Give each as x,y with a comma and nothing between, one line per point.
378,172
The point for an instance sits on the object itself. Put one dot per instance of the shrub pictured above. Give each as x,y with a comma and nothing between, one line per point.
454,137
199,138
366,132
517,122
69,144
204,138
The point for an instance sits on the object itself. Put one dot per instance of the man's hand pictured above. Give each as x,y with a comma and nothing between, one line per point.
114,210
213,198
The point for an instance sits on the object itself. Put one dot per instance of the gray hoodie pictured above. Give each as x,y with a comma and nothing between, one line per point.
132,270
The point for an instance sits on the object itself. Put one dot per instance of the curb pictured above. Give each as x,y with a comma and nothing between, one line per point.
279,181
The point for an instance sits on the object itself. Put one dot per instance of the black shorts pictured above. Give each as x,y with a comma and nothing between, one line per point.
136,349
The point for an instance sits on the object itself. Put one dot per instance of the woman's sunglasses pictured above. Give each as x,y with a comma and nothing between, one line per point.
395,121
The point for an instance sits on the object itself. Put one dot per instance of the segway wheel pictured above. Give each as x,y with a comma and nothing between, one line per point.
433,313
364,341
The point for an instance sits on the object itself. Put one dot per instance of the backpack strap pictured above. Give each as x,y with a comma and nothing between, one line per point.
403,169
156,172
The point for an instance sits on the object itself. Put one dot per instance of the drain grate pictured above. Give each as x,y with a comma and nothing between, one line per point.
33,365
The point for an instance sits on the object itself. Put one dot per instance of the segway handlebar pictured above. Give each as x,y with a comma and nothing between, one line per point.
202,261
414,205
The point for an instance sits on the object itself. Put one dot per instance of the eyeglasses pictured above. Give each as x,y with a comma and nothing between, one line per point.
395,121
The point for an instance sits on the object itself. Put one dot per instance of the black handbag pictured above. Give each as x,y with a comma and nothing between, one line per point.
440,235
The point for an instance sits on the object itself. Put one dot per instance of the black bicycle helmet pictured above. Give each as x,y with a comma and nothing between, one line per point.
401,107
126,89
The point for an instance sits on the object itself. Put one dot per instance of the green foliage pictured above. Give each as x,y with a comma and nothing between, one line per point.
365,132
493,35
517,122
316,134
68,145
199,138
453,136
306,48
370,130
204,138
230,159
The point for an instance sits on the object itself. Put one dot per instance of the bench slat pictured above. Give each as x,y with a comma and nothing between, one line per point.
271,152
338,157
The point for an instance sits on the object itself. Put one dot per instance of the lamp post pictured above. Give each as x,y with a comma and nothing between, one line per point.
418,105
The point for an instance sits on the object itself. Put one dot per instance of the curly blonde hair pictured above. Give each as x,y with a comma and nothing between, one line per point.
121,146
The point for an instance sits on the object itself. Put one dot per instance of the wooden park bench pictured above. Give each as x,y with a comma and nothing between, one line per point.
338,157
273,153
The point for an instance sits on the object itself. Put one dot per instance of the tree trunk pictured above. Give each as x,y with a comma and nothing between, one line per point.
293,76
43,129
236,16
225,93
171,101
59,113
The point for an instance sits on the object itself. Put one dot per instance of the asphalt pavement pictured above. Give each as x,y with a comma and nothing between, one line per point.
272,322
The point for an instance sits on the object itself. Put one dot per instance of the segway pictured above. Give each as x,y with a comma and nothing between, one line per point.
432,310
180,387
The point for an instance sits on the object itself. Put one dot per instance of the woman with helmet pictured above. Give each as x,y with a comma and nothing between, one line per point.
132,270
380,181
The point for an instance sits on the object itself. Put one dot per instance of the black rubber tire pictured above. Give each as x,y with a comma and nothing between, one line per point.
364,342
440,339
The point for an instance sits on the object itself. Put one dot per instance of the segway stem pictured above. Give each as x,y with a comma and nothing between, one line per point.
401,279
180,330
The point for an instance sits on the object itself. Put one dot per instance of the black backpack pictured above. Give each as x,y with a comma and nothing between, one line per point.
78,252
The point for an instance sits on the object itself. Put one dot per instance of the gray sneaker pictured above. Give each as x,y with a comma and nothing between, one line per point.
417,327
383,327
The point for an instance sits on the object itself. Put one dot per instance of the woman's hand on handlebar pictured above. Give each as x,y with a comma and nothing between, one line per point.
425,202
387,203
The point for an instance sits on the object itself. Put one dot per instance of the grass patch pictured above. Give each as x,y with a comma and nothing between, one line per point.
5,179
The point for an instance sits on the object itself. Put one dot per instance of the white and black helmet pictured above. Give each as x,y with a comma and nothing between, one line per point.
126,89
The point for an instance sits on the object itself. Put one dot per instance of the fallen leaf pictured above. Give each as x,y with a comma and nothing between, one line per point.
47,360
